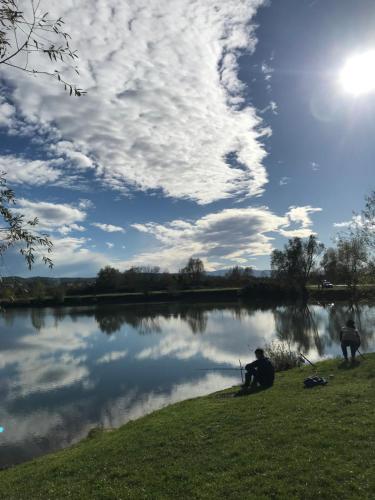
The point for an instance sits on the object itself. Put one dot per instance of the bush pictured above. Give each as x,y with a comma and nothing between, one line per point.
282,357
272,289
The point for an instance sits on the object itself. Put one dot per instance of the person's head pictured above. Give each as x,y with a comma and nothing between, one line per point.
259,353
350,323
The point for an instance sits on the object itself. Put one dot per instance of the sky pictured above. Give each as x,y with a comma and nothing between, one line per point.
210,129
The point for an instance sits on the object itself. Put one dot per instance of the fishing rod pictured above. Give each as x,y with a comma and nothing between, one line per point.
241,368
304,357
223,368
359,352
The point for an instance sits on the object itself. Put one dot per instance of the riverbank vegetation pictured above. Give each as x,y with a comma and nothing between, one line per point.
286,442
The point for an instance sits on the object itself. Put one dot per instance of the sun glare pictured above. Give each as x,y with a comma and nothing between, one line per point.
358,74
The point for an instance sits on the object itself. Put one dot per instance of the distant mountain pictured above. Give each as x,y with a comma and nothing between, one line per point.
47,280
257,273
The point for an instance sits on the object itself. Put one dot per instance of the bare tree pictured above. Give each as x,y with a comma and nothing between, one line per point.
193,272
26,34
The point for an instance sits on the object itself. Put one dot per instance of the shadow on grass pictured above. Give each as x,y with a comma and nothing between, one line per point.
243,391
348,365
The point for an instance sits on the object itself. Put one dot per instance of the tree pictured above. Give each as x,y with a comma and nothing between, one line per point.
330,265
238,275
295,263
24,35
108,278
193,272
364,225
352,259
20,233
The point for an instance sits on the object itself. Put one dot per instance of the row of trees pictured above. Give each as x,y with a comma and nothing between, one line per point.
192,275
347,263
350,261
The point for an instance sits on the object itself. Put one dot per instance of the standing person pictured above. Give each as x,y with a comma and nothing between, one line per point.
260,371
349,337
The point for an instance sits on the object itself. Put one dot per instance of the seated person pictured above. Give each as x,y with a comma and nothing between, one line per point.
349,337
260,371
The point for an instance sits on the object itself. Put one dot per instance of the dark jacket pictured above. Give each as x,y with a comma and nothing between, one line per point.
349,335
265,372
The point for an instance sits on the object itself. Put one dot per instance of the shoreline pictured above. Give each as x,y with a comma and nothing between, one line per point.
198,295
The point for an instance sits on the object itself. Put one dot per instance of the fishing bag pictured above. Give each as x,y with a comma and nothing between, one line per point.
313,381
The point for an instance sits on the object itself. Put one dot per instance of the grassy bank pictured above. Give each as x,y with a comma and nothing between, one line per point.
217,294
285,442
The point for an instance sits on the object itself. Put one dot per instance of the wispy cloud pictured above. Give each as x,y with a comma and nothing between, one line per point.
162,112
356,220
108,228
284,180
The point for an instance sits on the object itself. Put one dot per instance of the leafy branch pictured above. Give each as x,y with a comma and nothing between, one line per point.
23,35
19,232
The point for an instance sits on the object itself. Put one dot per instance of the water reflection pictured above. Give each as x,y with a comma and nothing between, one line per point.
65,370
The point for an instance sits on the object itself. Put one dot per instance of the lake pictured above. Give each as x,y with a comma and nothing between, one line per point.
64,371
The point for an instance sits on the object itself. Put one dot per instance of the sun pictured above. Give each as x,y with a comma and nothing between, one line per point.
357,77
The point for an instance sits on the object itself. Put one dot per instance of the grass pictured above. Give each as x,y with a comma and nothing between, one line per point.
286,442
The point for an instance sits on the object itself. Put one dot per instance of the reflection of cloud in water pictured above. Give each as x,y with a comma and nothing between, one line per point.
224,340
48,360
133,405
112,356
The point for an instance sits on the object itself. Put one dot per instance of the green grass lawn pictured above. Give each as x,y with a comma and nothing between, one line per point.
286,442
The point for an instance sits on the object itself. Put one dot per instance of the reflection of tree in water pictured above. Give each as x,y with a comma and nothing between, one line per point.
363,315
9,315
298,324
59,314
146,318
38,317
111,320
196,318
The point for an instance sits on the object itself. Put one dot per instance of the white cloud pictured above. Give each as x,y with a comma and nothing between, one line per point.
162,110
284,181
314,166
72,257
108,228
272,106
68,229
109,244
32,172
299,217
267,71
112,356
7,112
223,238
68,150
85,204
356,220
52,216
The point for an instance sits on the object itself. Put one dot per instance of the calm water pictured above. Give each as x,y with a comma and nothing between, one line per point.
64,371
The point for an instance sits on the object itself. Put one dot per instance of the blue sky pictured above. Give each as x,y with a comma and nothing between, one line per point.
212,129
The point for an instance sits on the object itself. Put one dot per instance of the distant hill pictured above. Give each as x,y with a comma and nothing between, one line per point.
47,281
257,273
